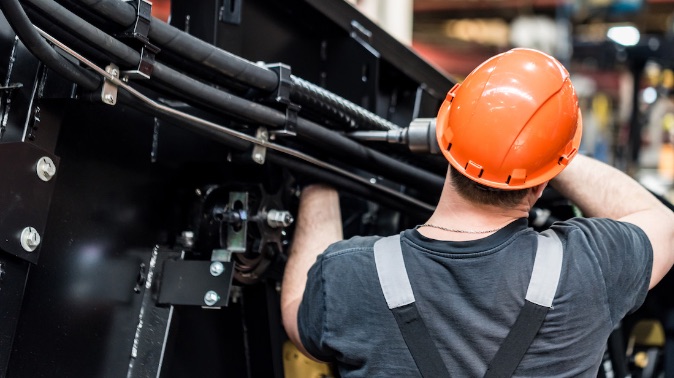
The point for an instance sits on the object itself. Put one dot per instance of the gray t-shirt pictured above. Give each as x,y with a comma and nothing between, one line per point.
470,293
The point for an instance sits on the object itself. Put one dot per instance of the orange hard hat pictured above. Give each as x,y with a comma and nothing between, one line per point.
513,123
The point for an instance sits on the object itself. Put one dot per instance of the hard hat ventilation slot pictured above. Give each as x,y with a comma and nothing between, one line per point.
473,169
449,146
517,177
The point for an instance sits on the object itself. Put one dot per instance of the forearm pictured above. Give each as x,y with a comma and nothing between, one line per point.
600,190
319,224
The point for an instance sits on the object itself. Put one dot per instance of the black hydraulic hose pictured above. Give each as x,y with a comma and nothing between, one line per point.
349,186
191,88
76,43
228,64
358,154
346,111
189,46
281,159
24,29
338,144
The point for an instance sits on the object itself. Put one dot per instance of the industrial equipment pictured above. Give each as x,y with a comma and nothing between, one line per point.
149,174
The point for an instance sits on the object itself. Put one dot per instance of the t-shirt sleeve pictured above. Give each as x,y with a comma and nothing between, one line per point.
311,316
625,257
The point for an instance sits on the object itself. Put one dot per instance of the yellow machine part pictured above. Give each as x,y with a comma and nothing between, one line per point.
297,365
648,332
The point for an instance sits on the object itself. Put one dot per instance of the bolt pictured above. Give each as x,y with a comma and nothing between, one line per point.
279,218
115,72
217,268
30,239
110,99
46,169
211,298
257,157
187,239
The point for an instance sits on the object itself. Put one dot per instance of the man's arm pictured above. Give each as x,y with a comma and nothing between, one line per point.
319,224
600,190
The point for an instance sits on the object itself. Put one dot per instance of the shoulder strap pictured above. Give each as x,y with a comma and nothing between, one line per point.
541,292
395,284
397,290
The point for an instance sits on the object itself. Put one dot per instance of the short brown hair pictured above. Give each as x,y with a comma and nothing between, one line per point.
485,195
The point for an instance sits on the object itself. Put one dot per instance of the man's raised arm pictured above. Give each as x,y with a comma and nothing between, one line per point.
600,190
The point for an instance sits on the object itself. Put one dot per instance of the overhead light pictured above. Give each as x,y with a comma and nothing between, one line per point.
649,95
624,35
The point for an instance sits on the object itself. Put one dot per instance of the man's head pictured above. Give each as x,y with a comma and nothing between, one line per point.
513,123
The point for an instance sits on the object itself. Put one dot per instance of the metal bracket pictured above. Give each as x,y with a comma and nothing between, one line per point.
109,91
282,96
192,283
25,198
236,232
259,151
230,12
139,33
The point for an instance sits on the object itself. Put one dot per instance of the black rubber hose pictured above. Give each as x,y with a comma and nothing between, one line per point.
24,29
358,154
228,64
279,158
339,145
191,47
354,116
353,187
191,88
330,140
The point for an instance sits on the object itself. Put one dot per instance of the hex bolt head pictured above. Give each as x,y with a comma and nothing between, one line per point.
46,169
217,268
211,298
109,99
30,239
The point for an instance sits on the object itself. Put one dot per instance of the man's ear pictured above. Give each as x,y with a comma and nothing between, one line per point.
537,190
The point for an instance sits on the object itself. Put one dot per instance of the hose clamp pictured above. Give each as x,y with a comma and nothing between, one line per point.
282,96
138,35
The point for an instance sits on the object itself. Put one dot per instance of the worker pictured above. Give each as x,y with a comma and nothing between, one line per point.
442,299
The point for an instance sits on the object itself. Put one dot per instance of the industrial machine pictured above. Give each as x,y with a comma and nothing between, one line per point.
150,171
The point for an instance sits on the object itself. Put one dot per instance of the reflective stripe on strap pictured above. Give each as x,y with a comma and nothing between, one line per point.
397,290
388,257
547,269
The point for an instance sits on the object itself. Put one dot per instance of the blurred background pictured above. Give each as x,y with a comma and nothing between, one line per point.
620,54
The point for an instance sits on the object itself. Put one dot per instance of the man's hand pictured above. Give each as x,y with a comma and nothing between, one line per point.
319,224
